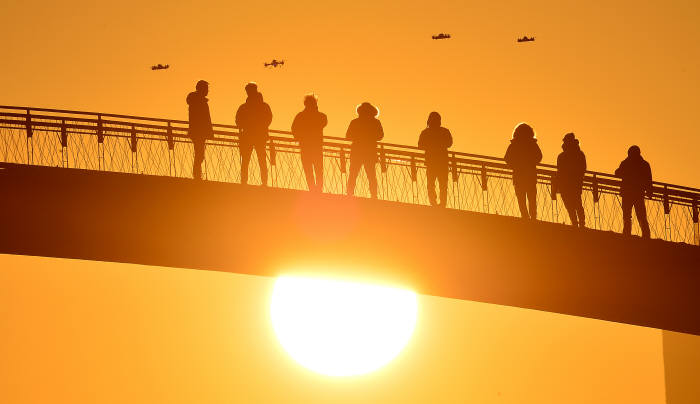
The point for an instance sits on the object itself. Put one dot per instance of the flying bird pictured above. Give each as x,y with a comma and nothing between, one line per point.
160,67
526,39
442,36
274,63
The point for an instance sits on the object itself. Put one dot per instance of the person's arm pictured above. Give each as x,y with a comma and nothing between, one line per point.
448,139
620,172
268,116
295,127
649,181
350,133
324,120
239,118
509,155
380,131
421,140
538,154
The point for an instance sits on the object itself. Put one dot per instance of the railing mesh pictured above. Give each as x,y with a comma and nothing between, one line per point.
160,147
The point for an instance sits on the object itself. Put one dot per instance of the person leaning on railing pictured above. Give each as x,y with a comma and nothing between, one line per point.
636,180
307,128
522,156
571,167
200,127
435,140
364,132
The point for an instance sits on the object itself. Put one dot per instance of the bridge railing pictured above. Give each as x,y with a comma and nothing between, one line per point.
152,146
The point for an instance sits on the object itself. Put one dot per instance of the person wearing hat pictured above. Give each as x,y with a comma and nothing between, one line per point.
636,181
522,156
253,119
435,140
571,167
364,132
200,127
307,128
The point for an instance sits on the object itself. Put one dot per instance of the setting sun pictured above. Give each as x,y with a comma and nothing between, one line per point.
341,328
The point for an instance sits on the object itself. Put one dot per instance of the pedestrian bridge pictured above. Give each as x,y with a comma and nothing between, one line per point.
115,188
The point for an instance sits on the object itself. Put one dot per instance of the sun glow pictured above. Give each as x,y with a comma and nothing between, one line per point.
341,328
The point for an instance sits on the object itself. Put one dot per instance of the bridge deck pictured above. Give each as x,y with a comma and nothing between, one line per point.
179,222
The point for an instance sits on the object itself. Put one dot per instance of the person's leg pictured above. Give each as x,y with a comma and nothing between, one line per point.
640,210
520,195
354,170
371,171
198,159
570,206
442,180
307,164
626,216
262,161
246,149
532,200
431,176
318,169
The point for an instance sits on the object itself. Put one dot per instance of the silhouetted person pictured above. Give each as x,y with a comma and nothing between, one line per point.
253,118
522,156
307,128
200,128
364,132
571,167
435,140
636,180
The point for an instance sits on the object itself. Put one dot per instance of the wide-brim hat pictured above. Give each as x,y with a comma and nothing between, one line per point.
367,108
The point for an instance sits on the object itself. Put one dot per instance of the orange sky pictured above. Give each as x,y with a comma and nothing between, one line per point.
616,73
90,332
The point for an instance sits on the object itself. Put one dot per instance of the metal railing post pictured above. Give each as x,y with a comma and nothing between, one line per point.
134,151
171,150
64,144
343,170
30,139
414,179
383,168
485,189
455,183
596,204
100,144
667,215
696,225
553,195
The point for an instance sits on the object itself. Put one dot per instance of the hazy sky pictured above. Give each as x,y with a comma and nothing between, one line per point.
616,73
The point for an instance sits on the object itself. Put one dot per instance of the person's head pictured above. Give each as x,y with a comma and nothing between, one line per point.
251,88
434,120
569,141
311,101
634,152
523,131
367,110
202,87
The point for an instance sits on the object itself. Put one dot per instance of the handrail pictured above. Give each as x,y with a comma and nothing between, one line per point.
605,182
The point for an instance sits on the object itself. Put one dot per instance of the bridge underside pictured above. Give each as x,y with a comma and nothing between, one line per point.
175,222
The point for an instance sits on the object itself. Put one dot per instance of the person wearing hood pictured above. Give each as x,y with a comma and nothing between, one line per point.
636,181
435,140
200,127
364,132
253,119
571,167
522,157
307,128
